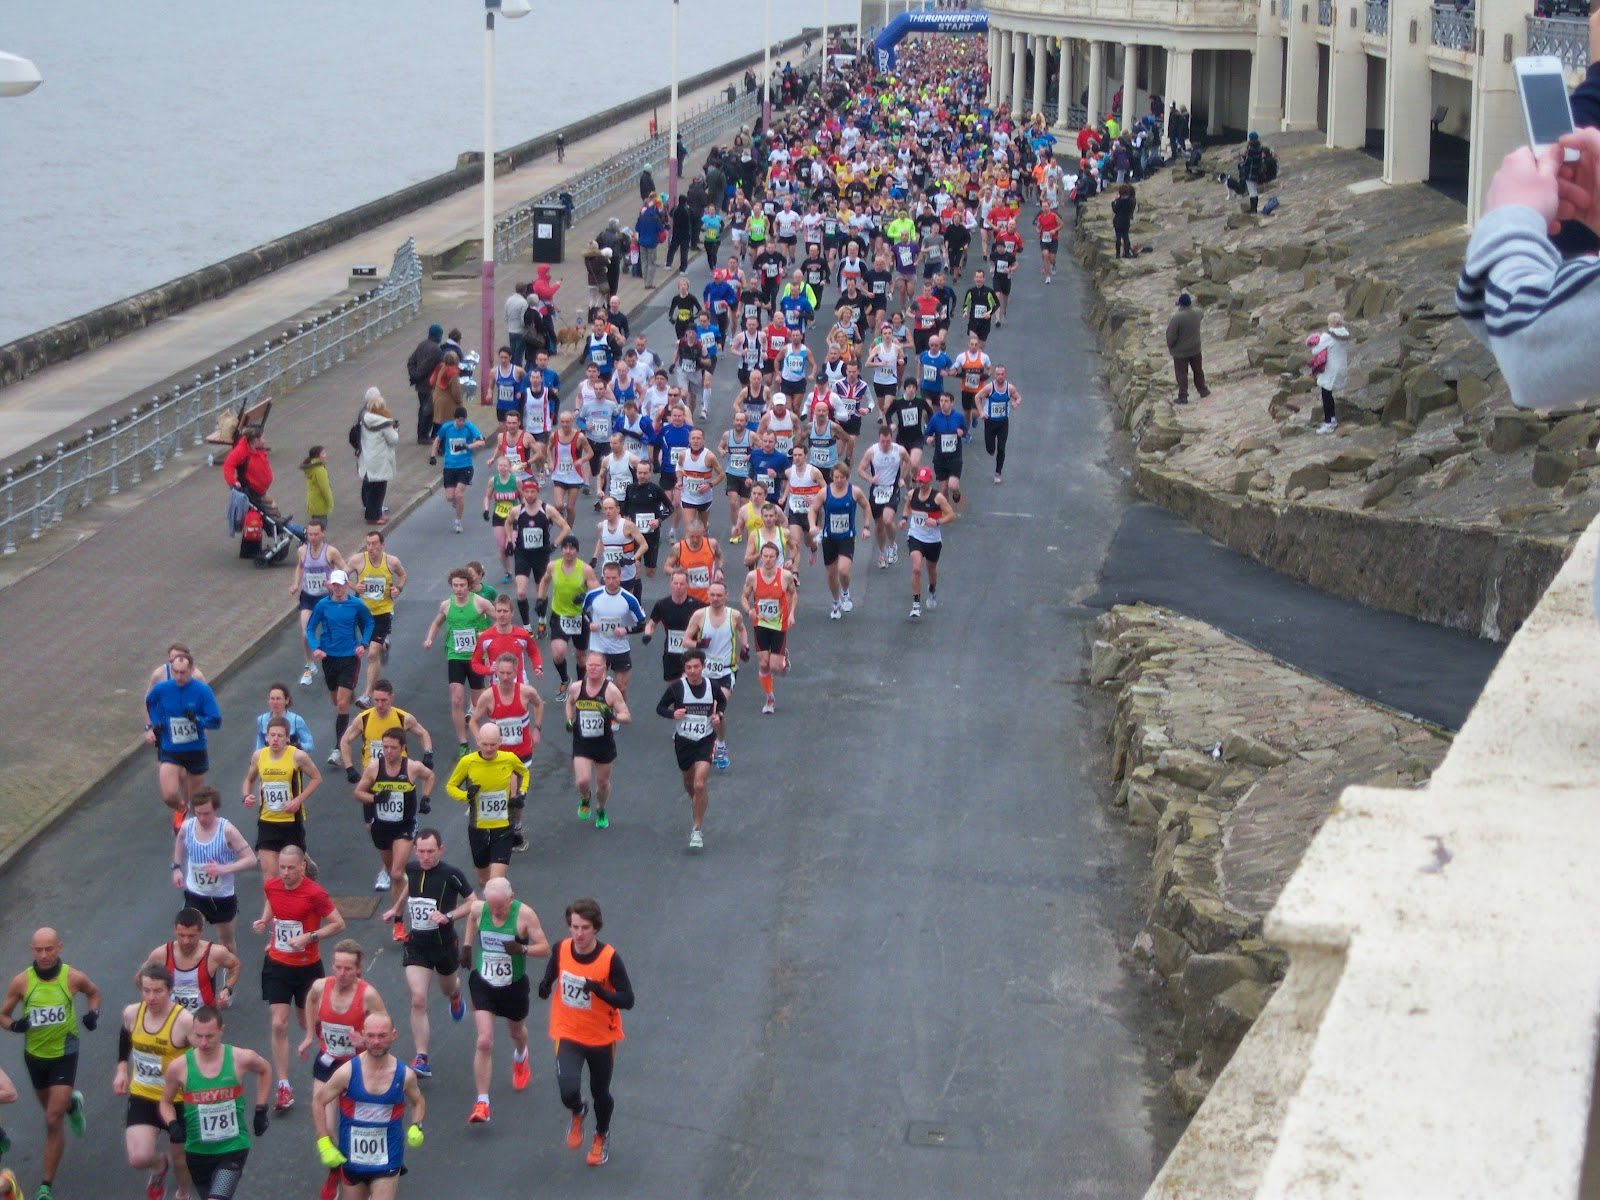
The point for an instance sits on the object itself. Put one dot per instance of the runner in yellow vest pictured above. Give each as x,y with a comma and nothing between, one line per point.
155,1030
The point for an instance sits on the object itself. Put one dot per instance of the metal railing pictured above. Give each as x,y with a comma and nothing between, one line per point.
105,459
513,233
1565,37
1077,114
1452,28
1378,18
1324,13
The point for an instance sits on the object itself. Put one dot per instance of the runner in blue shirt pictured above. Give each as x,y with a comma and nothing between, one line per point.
455,441
947,433
933,365
338,633
181,708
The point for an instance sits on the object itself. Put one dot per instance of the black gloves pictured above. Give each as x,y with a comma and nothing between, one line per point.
352,774
91,1019
427,759
260,1125
19,1023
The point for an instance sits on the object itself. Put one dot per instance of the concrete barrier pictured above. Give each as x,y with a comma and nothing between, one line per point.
67,339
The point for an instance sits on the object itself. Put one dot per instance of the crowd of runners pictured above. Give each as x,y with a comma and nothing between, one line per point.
830,382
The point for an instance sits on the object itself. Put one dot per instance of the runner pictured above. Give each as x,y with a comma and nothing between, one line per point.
974,366
591,989
300,916
180,709
735,450
803,483
696,705
501,933
363,741
339,631
647,505
465,616
616,470
619,544
509,387
208,1081
455,441
388,792
721,634
314,559
1048,223
491,783
500,493
208,851
560,598
519,447
610,613
769,605
433,896
947,432
850,401
340,1006
535,528
511,703
995,403
506,637
369,1094
380,577
151,1051
924,514
884,467
698,475
195,986
833,513
49,1022
672,613
595,708
771,532
280,704
699,557
286,777
569,462
797,367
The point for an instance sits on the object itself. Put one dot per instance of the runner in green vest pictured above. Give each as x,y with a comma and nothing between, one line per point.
464,616
49,1021
501,933
560,599
208,1081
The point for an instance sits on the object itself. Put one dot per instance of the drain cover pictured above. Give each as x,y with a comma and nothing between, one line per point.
357,908
940,1135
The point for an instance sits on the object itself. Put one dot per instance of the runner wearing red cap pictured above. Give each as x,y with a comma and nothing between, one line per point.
926,512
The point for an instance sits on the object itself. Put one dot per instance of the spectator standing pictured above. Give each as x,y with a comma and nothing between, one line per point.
516,310
446,391
1183,343
647,227
1332,348
684,223
612,238
595,267
1251,168
420,367
379,436
1122,210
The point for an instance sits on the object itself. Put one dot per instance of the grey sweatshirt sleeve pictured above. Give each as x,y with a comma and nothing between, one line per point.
1537,314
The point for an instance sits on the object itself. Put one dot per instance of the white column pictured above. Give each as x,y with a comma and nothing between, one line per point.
1130,83
1407,95
1300,81
1097,81
1041,70
1266,73
1347,79
1496,127
1180,79
1064,91
1019,72
991,43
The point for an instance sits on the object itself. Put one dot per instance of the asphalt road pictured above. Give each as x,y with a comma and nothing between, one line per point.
894,970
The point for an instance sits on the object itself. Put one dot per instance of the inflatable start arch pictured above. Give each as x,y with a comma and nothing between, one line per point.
959,22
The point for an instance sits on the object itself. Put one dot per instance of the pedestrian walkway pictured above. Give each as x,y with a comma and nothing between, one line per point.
154,565
64,397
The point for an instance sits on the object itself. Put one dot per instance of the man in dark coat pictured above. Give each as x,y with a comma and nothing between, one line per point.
419,369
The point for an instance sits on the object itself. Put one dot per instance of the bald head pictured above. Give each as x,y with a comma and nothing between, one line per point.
498,889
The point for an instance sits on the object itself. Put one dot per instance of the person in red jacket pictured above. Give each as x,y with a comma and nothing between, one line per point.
248,469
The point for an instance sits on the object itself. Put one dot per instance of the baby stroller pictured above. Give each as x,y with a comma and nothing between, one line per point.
265,535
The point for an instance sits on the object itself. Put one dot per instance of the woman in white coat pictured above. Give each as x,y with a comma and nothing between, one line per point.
380,433
1332,346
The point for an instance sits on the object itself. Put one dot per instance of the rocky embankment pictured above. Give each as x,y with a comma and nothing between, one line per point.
1435,497
1231,760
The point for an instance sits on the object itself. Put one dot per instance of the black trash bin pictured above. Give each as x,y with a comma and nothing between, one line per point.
549,230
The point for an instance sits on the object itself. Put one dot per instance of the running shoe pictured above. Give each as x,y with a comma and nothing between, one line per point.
308,675
480,1113
177,818
419,1064
601,821
933,601
45,1192
575,1128
733,539
382,882
156,1189
333,757
997,476
769,707
521,1073
75,1119
719,756
400,933
696,841
519,840
284,1100
599,1149
833,613
5,1146
506,578
363,701
455,526
845,603
458,1007
330,1185
883,562
916,611
583,810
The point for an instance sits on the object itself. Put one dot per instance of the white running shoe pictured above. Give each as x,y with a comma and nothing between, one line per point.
846,603
916,610
933,602
696,841
1328,426
883,561
308,675
382,882
770,707
333,757
833,613
456,526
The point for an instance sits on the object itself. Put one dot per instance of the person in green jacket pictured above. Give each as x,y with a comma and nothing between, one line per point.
319,492
48,1020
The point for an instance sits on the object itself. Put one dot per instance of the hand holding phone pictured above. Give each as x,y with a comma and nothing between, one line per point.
1546,109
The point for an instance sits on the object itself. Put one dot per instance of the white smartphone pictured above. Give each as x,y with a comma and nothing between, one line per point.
1546,111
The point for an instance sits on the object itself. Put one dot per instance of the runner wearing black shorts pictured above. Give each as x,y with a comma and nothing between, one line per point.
433,896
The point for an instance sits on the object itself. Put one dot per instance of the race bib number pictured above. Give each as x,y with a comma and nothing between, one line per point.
999,410
146,1069
45,1015
695,727
610,555
798,504
494,967
369,1146
493,806
919,522
646,522
973,380
767,611
219,1121
315,584
591,724
463,641
571,626
512,729
617,487
275,797
391,806
838,524
187,996
948,443
283,932
699,577
980,312
677,456
181,730
882,493
930,373
203,882
909,417
738,460
458,445
533,538
374,587
716,668
419,912
784,443
340,1040
572,993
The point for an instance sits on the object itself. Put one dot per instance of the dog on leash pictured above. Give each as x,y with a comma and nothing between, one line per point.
570,335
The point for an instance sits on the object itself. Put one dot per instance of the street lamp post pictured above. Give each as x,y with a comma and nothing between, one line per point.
18,75
672,136
824,83
509,8
766,79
